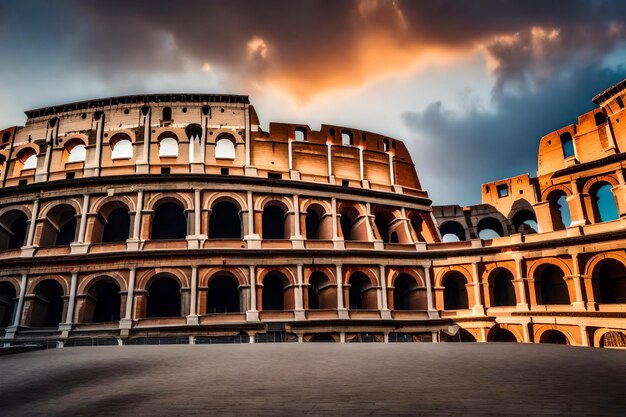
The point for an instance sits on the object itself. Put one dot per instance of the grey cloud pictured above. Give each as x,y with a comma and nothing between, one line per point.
456,153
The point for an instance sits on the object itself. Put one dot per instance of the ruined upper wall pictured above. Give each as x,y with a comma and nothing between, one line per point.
335,155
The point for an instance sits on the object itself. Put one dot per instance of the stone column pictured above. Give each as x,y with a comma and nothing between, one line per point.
29,249
341,309
522,303
17,318
79,246
297,240
252,238
142,164
338,243
253,313
579,304
378,244
134,240
392,176
299,311
577,206
192,318
69,318
385,313
432,312
127,321
478,309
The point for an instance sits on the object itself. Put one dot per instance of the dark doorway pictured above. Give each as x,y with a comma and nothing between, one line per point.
47,305
7,303
224,221
273,222
555,337
312,224
404,286
501,335
319,292
273,292
117,226
164,298
13,227
503,289
455,292
553,287
223,295
359,299
612,280
105,295
169,222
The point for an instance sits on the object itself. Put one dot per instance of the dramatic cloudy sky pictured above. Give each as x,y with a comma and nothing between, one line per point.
470,86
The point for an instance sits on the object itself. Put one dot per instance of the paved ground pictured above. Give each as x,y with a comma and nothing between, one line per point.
316,379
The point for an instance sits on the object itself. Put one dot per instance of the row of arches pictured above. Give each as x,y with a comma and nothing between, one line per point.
550,286
522,221
102,299
171,220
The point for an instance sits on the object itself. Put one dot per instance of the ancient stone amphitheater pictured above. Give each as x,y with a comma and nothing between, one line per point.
175,218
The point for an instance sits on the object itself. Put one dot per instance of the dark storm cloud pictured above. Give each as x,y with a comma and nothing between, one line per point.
466,150
313,45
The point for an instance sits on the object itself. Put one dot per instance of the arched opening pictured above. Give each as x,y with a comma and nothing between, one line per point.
322,338
193,132
525,222
164,297
225,146
167,114
13,227
103,302
351,226
321,294
169,222
599,118
300,134
168,148
567,144
417,223
452,232
503,289
559,210
121,147
274,292
455,292
461,335
223,295
406,295
347,138
47,307
273,222
553,289
225,221
28,159
604,207
117,226
7,303
76,152
613,340
555,337
60,226
382,221
489,228
314,215
361,292
498,334
611,282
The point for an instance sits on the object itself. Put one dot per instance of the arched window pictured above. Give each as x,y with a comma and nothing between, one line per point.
351,228
312,224
552,288
169,222
611,282
164,298
117,227
568,145
525,222
47,306
76,152
225,146
7,303
555,337
347,138
122,148
386,145
417,223
193,132
13,227
503,289
559,210
29,161
498,334
406,295
455,292
321,293
223,295
452,231
273,222
300,134
224,221
604,206
489,228
168,148
104,302
361,293
59,227
167,114
382,221
274,292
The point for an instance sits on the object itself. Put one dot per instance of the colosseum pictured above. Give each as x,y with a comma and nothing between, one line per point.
175,218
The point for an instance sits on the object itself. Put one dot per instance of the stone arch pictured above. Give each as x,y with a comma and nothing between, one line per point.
276,291
602,202
84,283
490,227
69,146
566,189
102,301
225,146
231,197
225,220
394,272
541,262
608,278
223,293
156,199
454,228
45,210
33,282
47,305
371,275
384,219
611,179
112,222
288,273
169,219
14,223
206,274
550,285
318,220
162,300
144,277
616,338
455,295
328,271
550,334
501,287
321,291
8,295
441,273
280,200
98,203
353,221
406,294
275,220
499,333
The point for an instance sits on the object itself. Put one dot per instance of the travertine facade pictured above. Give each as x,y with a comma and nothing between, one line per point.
162,218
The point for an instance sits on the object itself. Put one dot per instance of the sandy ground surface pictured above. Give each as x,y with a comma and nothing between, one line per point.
314,379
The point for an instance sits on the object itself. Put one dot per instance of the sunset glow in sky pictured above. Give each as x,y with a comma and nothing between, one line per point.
469,86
